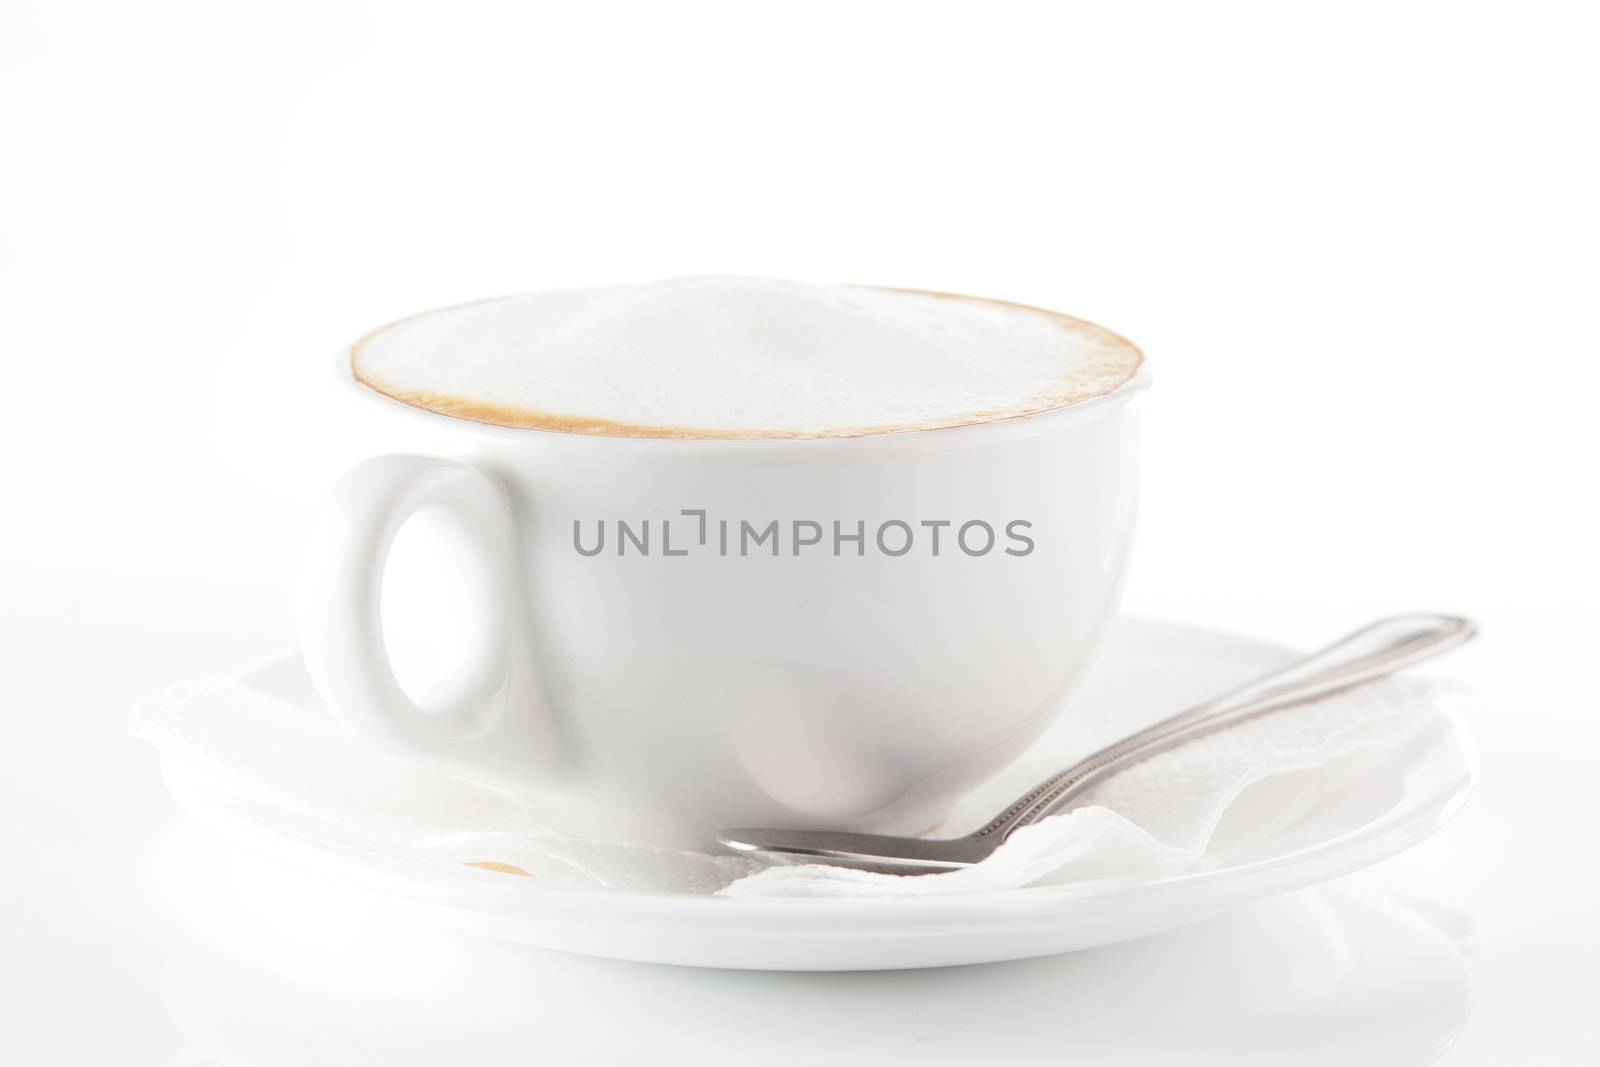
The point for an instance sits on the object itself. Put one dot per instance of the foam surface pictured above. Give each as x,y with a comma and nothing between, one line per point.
740,357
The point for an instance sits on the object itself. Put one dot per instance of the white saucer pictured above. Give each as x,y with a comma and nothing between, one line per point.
1384,805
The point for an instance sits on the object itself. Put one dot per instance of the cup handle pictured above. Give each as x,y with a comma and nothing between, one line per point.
498,728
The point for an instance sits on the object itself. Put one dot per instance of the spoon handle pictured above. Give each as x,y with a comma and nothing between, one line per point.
1370,652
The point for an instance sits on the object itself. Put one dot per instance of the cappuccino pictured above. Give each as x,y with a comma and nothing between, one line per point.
662,638
731,357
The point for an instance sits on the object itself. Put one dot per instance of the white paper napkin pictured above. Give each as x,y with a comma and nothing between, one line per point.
273,753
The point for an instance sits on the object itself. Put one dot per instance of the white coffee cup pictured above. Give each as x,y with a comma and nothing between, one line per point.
644,694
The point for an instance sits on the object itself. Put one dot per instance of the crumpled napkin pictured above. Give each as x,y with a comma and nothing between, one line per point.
265,746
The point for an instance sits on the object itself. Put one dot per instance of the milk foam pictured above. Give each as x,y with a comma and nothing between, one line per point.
741,357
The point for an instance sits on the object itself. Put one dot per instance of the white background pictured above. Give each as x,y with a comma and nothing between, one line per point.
1358,243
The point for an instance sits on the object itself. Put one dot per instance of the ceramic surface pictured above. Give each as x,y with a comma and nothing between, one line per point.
752,641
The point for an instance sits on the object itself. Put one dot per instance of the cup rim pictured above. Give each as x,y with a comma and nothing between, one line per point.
1134,385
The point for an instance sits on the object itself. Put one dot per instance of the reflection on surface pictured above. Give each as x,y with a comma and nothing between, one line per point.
281,969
